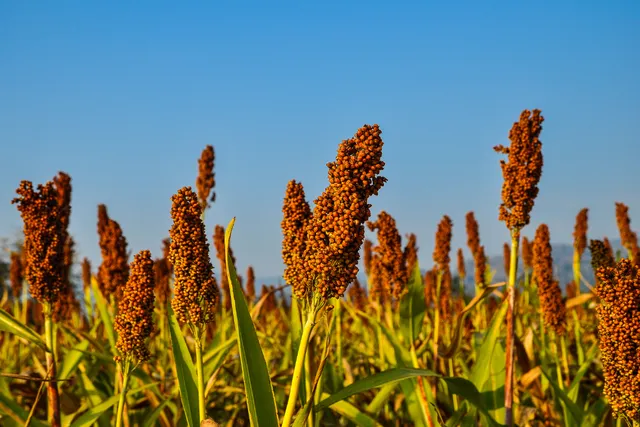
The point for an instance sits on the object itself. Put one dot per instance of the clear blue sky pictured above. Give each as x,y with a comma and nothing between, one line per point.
124,97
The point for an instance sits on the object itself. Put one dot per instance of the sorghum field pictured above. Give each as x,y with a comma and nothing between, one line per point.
155,339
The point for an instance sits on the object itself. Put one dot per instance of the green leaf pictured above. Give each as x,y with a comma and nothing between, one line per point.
459,386
412,307
261,401
89,417
572,392
151,419
12,325
480,371
72,359
373,381
105,316
185,370
596,414
352,413
574,410
16,412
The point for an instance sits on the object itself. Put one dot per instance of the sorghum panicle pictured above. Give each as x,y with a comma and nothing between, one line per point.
480,267
473,233
411,253
114,270
580,231
43,240
357,295
619,329
367,251
206,178
86,273
296,215
506,258
16,274
250,287
462,270
600,255
553,308
162,275
336,230
393,265
607,246
380,290
430,286
134,321
522,170
443,244
628,238
195,290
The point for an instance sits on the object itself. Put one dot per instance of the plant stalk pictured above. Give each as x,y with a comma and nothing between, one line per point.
509,364
52,386
123,394
200,374
297,370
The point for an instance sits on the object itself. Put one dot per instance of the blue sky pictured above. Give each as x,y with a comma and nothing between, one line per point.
124,97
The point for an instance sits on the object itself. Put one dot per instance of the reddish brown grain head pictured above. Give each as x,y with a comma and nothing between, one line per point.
113,273
480,267
506,258
618,324
580,231
473,233
250,286
380,291
357,295
527,253
393,264
411,253
336,230
462,270
296,216
162,275
86,273
522,170
134,321
195,290
367,252
44,239
16,274
601,256
67,304
553,308
628,237
206,178
443,244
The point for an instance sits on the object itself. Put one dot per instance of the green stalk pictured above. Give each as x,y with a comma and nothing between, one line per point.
509,365
436,323
307,383
297,370
200,374
576,270
422,390
578,334
123,394
52,386
338,314
565,358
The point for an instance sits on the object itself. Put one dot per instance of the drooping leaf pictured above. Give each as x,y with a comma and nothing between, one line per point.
101,304
12,325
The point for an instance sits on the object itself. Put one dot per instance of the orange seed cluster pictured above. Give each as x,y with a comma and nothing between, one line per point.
580,231
206,178
195,290
522,170
619,331
43,239
628,238
114,270
553,308
134,321
393,264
